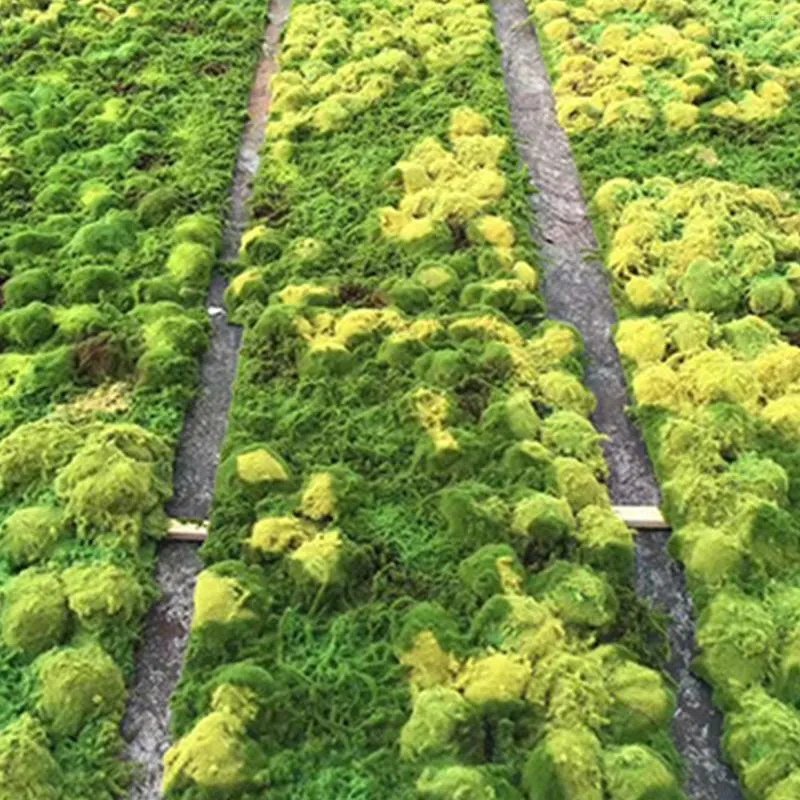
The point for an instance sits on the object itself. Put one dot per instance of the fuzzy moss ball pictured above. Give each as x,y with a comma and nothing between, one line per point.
27,770
77,685
543,518
35,615
30,534
578,484
453,783
577,594
491,570
27,327
27,287
99,593
566,764
635,772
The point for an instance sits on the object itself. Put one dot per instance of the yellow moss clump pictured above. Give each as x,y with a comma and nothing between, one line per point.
260,466
493,678
432,409
680,116
219,599
276,535
318,558
784,414
430,664
296,294
319,500
450,186
641,340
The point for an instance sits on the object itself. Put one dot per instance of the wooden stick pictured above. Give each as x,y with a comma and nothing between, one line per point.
179,531
642,517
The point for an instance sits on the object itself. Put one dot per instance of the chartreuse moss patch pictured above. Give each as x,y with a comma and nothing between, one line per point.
119,125
682,117
415,585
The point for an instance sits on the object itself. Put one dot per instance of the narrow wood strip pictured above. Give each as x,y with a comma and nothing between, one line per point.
179,531
642,517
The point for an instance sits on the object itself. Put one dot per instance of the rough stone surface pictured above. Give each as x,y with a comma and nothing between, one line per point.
158,666
166,631
576,290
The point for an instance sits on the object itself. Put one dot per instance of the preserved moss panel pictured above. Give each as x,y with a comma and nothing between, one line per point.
415,585
682,118
118,131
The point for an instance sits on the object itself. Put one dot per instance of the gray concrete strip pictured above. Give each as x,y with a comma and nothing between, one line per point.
576,291
166,630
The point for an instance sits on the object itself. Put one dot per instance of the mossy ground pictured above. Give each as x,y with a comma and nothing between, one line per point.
402,409
117,122
708,331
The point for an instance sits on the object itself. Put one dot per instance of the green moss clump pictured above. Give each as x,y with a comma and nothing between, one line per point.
771,295
578,485
92,284
27,327
30,534
606,542
566,764
491,570
441,723
577,594
709,286
120,475
543,519
27,287
761,477
108,236
570,434
761,737
35,451
191,263
327,564
35,615
514,417
737,638
636,772
199,229
454,783
98,594
28,770
156,206
474,514
77,685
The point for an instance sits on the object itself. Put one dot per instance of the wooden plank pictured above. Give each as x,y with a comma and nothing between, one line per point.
642,517
179,531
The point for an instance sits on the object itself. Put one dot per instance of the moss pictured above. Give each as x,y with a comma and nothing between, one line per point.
636,772
29,770
771,295
708,286
327,562
761,477
156,206
749,335
220,599
493,678
736,636
27,287
712,556
606,543
191,263
518,624
35,451
578,485
198,229
565,764
644,341
261,245
761,737
570,434
441,723
215,755
577,594
27,327
641,703
114,480
30,534
492,569
35,615
77,685
115,232
561,390
274,536
543,518
453,783
260,466
514,417
102,594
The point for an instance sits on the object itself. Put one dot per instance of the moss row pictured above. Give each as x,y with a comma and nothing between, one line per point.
119,126
701,237
415,585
